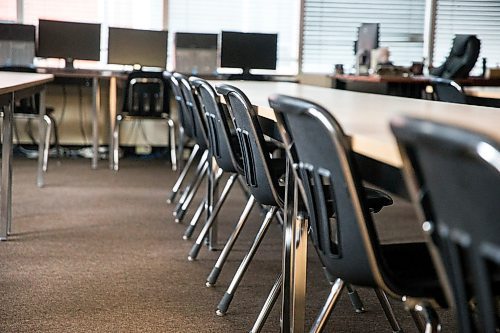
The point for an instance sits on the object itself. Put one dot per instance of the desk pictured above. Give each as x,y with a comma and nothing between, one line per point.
96,76
398,85
364,117
15,86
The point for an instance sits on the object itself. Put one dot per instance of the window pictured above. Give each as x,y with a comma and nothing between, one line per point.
277,16
8,10
479,17
330,29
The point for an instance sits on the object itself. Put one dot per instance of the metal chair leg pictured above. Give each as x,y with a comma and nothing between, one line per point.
180,148
183,174
183,205
214,274
389,312
355,299
268,305
202,164
195,219
429,316
48,126
228,296
330,303
199,241
116,142
171,135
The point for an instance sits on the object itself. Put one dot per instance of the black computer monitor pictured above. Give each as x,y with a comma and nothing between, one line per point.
248,50
69,40
192,40
17,44
142,47
368,37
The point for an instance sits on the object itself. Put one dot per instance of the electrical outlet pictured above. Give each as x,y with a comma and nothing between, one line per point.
143,149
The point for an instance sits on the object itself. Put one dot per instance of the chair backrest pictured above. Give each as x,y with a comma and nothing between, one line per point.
186,121
448,91
262,183
194,112
462,58
323,162
454,176
222,143
146,95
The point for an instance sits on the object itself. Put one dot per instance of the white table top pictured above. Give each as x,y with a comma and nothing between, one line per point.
365,117
13,81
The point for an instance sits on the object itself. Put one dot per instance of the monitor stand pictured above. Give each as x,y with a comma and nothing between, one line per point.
69,63
246,75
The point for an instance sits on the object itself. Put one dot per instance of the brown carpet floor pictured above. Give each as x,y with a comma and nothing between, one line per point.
98,251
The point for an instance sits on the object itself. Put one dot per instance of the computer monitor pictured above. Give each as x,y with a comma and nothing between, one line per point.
17,44
368,36
248,50
137,47
69,40
195,53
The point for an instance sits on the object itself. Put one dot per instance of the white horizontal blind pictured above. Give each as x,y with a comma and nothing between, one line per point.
62,10
8,10
330,29
474,17
213,16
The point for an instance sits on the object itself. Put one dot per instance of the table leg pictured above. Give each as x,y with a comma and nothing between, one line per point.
6,187
112,120
294,263
42,128
96,104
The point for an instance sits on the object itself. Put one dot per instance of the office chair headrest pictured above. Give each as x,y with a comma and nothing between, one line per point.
460,44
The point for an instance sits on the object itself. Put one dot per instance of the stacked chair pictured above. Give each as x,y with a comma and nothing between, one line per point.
347,241
454,179
146,97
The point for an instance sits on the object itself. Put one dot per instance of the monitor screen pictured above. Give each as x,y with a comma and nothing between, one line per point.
249,50
188,40
143,47
17,44
368,36
69,40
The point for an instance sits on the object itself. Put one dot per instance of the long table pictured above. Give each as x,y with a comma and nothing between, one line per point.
365,118
14,86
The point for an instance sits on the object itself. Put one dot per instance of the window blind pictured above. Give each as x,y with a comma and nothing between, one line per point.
476,17
330,29
8,10
213,16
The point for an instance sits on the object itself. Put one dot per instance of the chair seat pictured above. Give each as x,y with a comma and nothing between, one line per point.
416,276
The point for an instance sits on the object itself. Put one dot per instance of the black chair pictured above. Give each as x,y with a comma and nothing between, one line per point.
186,134
348,244
29,108
262,174
462,58
448,91
146,97
454,177
222,148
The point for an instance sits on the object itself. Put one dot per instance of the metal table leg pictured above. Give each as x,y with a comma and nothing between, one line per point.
112,120
6,187
41,141
96,103
294,263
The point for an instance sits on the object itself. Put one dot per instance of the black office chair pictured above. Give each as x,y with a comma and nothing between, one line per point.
29,108
462,58
347,243
146,97
445,90
454,178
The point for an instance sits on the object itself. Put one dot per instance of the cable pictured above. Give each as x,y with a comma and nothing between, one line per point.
80,112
